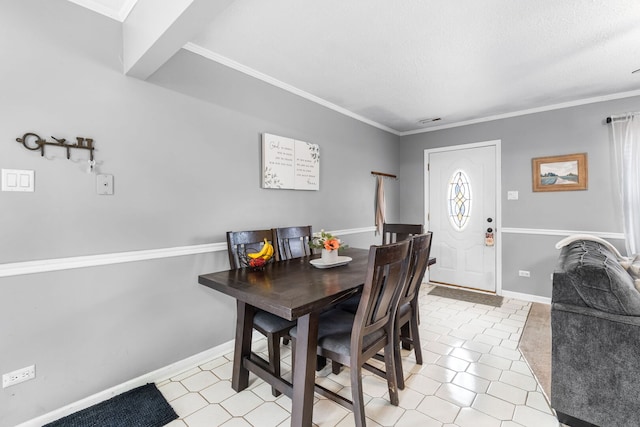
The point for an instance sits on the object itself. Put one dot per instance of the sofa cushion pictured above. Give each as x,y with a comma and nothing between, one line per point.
600,280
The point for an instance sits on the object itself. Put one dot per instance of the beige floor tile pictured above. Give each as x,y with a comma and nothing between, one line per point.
241,403
199,381
268,414
209,416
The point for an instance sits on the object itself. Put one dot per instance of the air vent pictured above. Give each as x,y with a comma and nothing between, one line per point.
425,121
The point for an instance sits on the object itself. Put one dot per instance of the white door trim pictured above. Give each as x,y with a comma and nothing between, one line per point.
498,145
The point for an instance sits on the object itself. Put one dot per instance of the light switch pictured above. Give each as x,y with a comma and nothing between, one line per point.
17,180
104,185
512,195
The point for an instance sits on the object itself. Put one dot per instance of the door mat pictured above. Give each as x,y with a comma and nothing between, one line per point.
469,296
141,407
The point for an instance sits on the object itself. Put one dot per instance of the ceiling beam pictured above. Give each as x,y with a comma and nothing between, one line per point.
154,31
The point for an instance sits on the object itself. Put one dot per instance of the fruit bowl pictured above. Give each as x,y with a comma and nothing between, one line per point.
257,260
254,264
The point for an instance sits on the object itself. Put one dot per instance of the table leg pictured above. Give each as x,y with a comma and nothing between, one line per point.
244,328
304,370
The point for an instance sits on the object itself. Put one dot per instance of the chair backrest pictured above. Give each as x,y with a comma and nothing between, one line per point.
239,243
385,280
418,262
293,242
392,233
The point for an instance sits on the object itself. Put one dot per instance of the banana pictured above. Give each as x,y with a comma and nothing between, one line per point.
269,252
266,253
262,252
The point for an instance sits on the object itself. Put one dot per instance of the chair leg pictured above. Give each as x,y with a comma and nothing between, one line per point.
415,336
357,395
391,367
398,363
405,333
321,362
336,367
273,344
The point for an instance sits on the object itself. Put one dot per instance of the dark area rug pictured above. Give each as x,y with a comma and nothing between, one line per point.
141,407
469,296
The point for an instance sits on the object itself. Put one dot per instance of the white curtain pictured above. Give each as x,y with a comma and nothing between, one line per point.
626,152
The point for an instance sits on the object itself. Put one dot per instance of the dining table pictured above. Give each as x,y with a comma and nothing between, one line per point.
294,289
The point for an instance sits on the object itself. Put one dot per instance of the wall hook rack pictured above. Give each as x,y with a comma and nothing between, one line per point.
30,138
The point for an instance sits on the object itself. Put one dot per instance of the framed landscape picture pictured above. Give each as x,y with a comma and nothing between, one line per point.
560,173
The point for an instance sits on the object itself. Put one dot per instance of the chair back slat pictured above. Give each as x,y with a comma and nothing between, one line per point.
385,280
418,262
293,242
392,233
239,243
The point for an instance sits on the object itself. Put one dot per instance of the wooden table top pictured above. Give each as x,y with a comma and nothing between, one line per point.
292,288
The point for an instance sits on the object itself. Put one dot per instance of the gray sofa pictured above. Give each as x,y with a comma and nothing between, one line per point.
595,324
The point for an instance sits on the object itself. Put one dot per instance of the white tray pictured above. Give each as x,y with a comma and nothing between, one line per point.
342,260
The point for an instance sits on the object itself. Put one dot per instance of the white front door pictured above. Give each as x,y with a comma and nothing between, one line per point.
462,215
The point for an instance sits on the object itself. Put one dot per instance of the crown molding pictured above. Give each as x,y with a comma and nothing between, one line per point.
560,106
206,53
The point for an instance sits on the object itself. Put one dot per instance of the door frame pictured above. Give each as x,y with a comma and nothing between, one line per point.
497,143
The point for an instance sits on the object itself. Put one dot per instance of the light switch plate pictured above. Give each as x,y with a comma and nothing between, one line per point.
18,180
512,195
104,185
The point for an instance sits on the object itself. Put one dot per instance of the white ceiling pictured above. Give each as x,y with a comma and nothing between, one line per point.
395,63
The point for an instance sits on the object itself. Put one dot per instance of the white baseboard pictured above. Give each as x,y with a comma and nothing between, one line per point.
156,376
526,297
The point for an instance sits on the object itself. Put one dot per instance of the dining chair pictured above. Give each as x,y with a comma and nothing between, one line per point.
407,331
271,326
293,242
352,339
392,233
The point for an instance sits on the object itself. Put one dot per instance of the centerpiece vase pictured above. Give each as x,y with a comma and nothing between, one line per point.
329,257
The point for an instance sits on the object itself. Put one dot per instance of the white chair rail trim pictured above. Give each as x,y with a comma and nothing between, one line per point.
57,264
564,233
46,265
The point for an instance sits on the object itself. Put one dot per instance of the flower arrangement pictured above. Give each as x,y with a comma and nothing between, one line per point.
324,240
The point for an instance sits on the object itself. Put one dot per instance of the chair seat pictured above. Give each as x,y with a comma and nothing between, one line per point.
350,304
331,322
334,332
271,323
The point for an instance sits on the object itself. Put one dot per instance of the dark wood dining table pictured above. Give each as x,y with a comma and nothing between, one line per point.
295,290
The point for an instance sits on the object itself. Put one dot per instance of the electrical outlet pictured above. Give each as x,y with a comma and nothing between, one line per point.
18,376
524,273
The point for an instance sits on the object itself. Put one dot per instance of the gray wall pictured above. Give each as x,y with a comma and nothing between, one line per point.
184,149
564,131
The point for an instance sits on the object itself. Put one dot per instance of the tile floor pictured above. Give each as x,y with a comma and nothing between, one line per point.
473,376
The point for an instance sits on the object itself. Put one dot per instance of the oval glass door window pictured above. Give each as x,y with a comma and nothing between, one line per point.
459,200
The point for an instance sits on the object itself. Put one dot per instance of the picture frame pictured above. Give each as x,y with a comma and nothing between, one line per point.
560,173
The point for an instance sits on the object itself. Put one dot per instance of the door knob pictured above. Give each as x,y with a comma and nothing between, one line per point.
489,219
489,230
